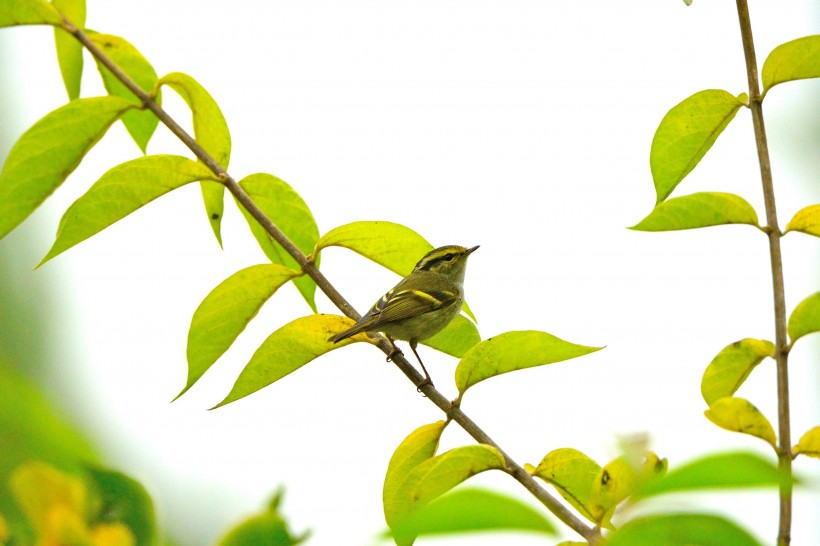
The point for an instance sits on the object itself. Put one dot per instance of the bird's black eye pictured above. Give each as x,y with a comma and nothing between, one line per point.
448,257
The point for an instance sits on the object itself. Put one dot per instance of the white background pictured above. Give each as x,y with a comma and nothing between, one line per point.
521,126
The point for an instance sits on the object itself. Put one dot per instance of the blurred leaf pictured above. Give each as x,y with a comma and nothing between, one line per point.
40,489
267,528
434,477
685,135
732,365
573,474
140,123
618,480
121,191
211,132
806,220
456,339
721,471
226,311
419,446
681,530
69,50
288,349
28,12
512,351
698,210
50,151
289,212
121,499
470,510
809,443
739,415
795,60
805,319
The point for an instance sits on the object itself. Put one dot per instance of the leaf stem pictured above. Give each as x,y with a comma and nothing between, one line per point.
451,410
784,454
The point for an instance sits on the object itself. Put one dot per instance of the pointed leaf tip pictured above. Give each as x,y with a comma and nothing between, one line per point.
795,60
732,365
805,319
698,210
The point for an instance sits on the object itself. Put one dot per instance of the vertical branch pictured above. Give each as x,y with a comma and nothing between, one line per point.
784,453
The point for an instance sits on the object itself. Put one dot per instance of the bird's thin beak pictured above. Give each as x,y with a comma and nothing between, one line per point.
471,250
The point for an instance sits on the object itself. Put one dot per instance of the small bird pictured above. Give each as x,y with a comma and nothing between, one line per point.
422,304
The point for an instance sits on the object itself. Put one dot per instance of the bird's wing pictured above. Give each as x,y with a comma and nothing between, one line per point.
399,304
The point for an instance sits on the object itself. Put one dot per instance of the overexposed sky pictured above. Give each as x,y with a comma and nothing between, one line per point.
521,126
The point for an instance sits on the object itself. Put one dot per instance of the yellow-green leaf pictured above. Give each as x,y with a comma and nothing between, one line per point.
806,220
698,210
140,123
40,489
417,447
805,319
809,443
121,191
573,475
685,135
618,480
512,351
456,339
732,365
740,415
795,60
288,349
28,12
435,476
69,50
290,213
680,530
226,311
49,152
211,132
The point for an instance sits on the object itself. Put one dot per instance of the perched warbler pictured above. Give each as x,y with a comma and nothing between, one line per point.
422,304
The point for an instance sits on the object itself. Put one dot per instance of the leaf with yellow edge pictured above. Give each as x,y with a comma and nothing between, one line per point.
809,443
456,339
512,351
417,447
618,480
740,415
806,220
732,365
805,319
28,12
572,473
686,133
698,210
288,349
69,50
437,475
226,311
795,60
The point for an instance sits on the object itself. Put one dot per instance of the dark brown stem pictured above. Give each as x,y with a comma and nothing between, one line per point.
453,412
784,454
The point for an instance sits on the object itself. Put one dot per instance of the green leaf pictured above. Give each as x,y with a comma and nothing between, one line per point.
573,475
805,319
740,415
290,213
226,311
512,351
698,210
795,60
456,339
40,488
211,132
469,510
140,123
809,443
732,365
435,476
806,220
49,152
121,191
119,498
28,12
618,480
685,135
288,349
721,471
419,446
681,530
69,49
